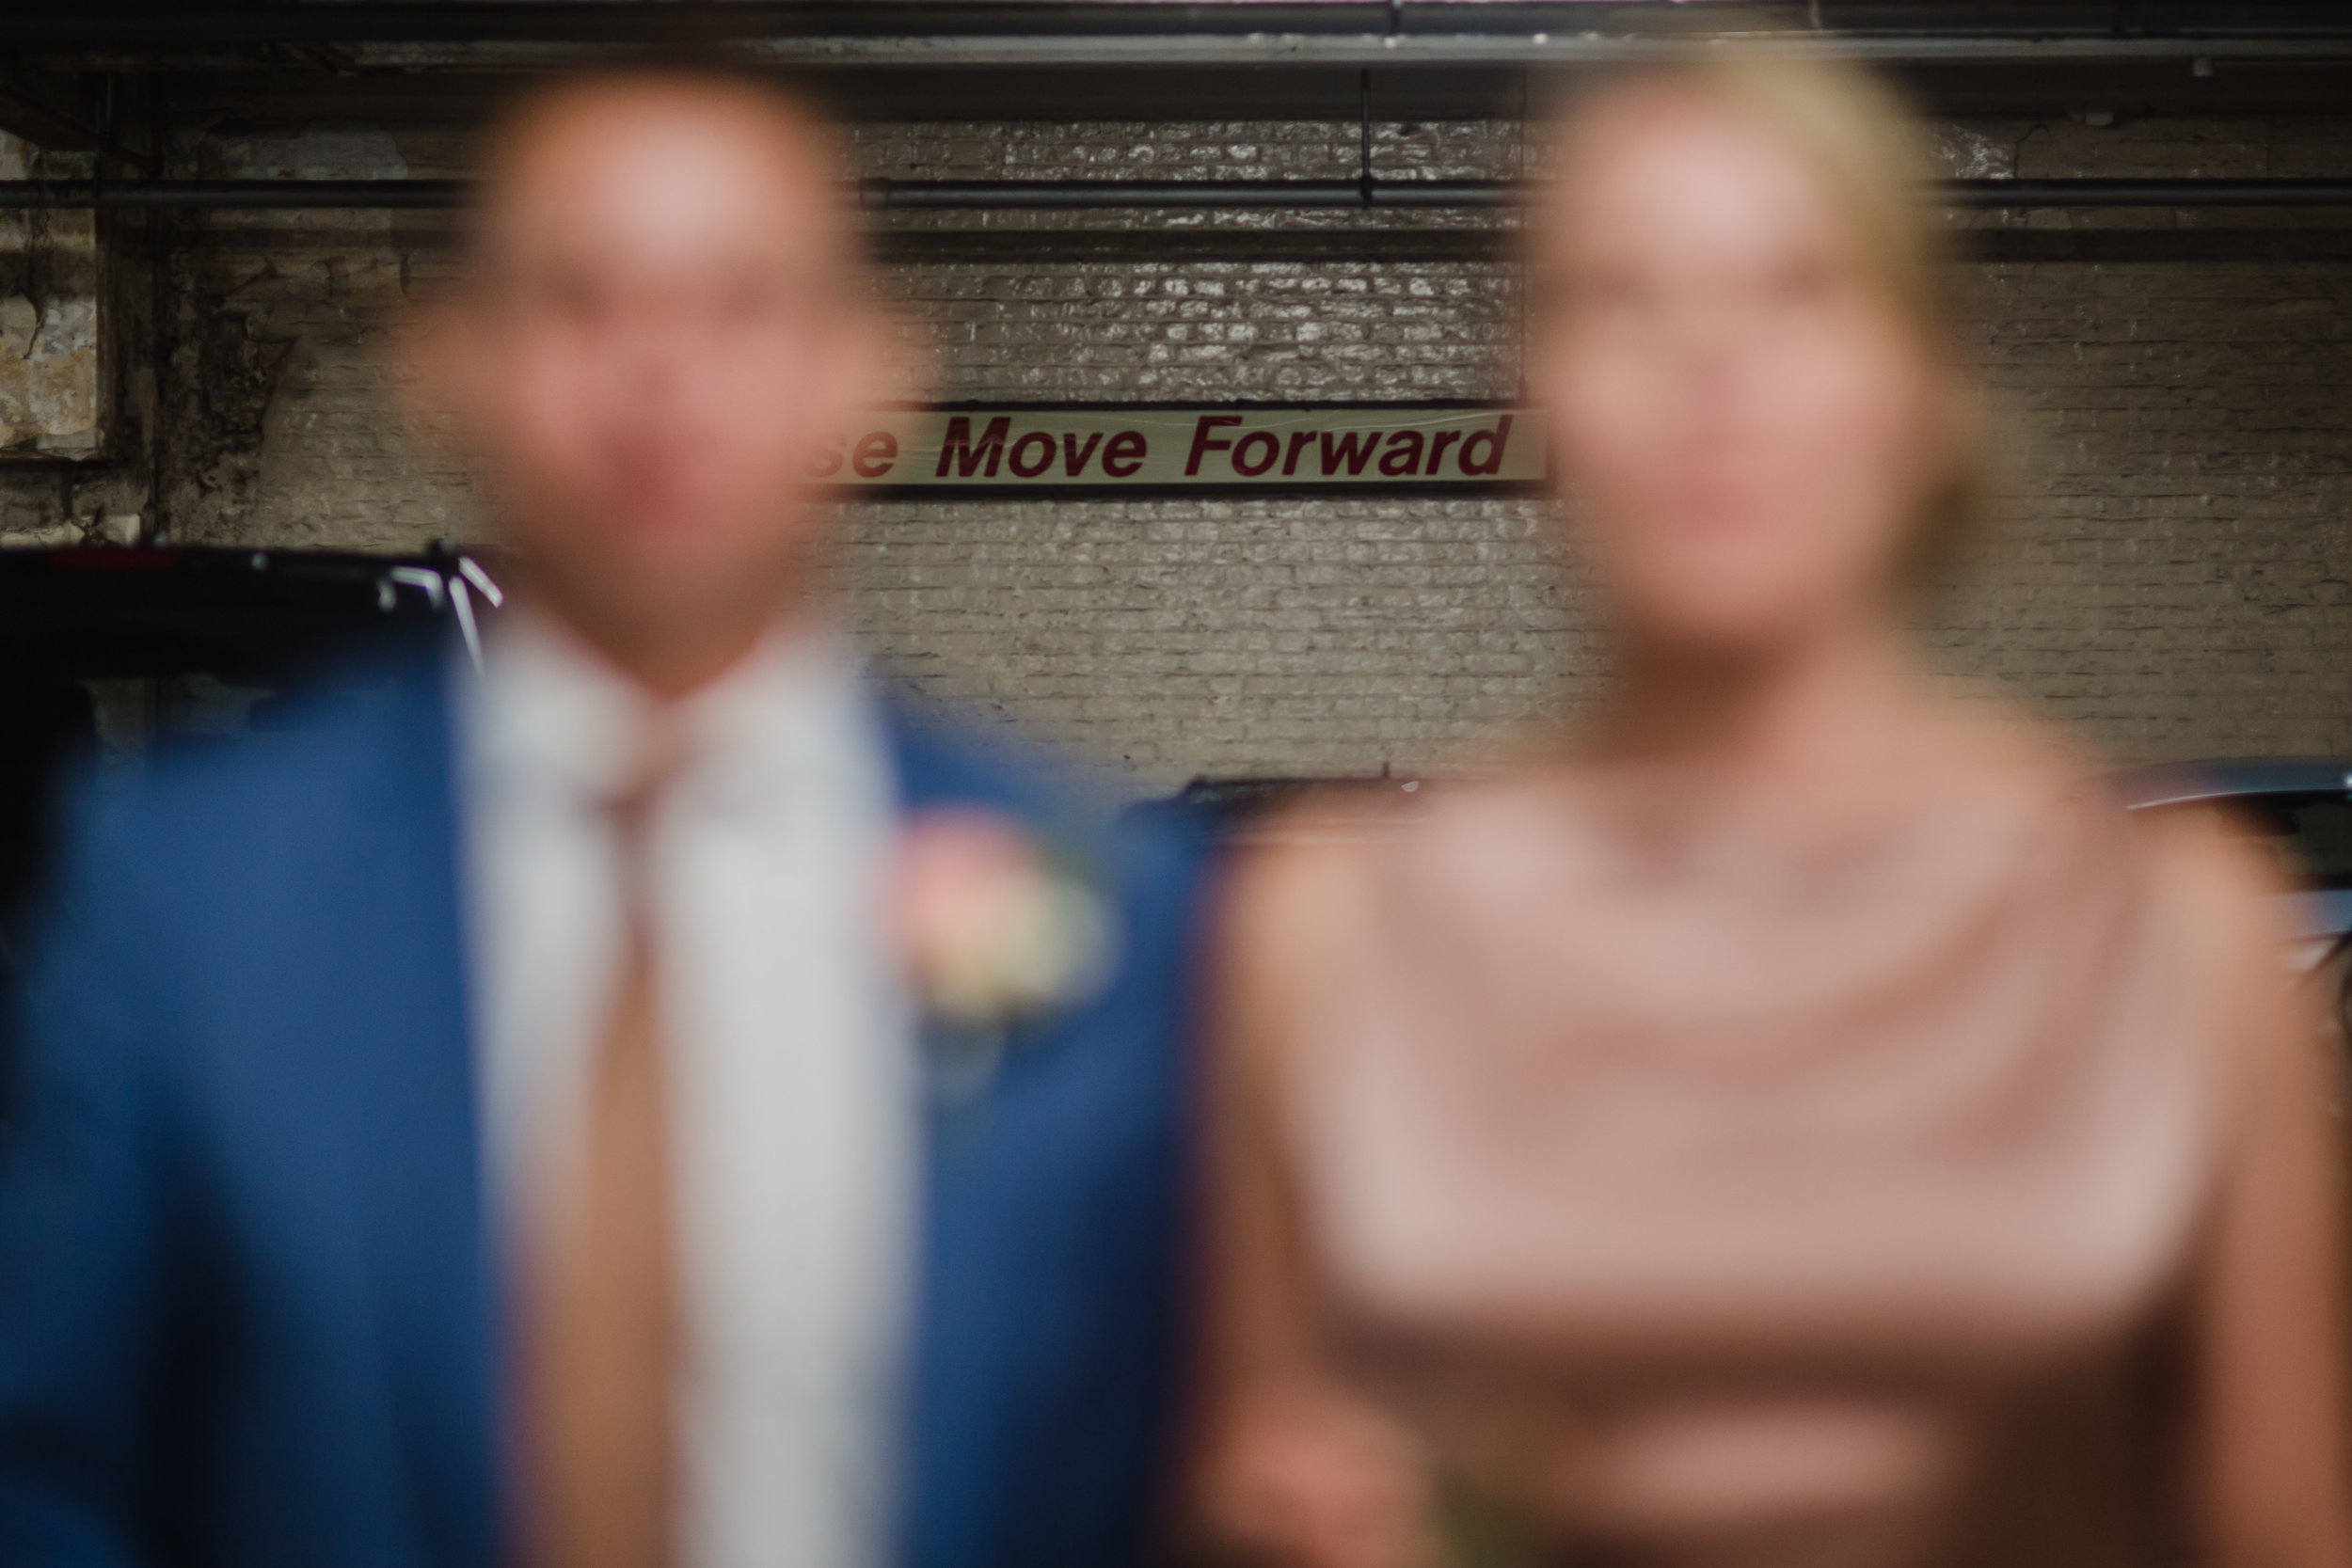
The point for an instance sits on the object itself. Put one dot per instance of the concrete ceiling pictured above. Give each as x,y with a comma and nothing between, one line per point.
1164,59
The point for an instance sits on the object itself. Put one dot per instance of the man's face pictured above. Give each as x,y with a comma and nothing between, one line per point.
663,315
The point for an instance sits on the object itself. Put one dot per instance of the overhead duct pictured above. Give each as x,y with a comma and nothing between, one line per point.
1131,195
1508,33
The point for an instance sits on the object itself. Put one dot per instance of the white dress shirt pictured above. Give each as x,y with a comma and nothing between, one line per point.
787,1046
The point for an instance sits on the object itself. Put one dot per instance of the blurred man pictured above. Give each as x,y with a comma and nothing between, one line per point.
654,1102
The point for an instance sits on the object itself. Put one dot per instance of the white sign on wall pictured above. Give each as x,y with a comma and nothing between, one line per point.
1158,447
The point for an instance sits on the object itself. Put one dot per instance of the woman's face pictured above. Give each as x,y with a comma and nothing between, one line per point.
1746,426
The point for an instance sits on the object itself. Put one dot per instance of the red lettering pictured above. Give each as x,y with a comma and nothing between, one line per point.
1438,444
1022,467
825,461
1073,456
958,446
875,454
1403,454
1242,464
1496,440
1355,449
1124,454
1202,444
1300,441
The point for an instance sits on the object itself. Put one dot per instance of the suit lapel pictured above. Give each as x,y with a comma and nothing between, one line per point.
1046,1327
434,1281
407,1028
960,1379
405,1037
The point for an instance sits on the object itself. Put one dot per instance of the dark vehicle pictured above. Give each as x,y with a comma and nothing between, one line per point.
1236,809
2298,812
104,651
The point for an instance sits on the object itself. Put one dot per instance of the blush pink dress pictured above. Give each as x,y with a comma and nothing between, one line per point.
1815,1188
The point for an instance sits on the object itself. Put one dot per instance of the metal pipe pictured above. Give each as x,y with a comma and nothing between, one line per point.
2145,193
929,23
46,128
1051,194
1136,195
227,194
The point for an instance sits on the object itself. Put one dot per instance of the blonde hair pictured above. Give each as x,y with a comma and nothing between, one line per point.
1854,131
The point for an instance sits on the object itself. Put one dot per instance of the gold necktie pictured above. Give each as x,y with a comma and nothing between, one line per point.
599,1336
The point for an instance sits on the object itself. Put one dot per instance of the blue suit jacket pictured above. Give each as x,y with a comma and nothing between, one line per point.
248,1303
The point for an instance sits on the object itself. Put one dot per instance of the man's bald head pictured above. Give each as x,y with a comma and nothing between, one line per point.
663,311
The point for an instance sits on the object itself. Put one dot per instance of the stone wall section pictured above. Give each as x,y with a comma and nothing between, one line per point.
2175,578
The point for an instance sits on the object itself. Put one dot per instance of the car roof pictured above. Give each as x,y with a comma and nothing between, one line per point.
2170,783
105,610
2163,783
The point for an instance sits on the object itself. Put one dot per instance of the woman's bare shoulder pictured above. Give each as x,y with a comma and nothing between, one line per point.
1986,740
2216,878
1300,871
2193,855
1295,912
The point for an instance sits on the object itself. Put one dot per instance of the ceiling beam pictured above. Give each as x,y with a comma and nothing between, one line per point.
27,118
1338,32
1140,194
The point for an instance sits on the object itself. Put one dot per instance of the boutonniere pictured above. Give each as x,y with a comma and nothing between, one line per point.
996,935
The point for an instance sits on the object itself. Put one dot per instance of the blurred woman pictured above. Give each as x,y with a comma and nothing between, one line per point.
1800,1120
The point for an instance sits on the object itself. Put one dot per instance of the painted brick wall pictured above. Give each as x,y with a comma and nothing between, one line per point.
2177,577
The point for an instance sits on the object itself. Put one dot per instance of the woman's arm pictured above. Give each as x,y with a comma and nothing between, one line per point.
1295,1468
2274,1462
